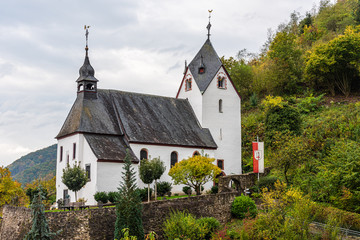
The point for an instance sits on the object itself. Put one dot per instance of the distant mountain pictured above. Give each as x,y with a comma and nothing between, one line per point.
40,163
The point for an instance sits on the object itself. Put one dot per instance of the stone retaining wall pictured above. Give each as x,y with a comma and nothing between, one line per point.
99,223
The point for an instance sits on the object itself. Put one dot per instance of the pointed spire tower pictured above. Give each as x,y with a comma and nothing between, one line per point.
206,63
87,83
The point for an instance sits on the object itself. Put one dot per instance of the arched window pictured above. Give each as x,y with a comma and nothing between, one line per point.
173,158
220,164
188,84
196,153
143,154
220,106
221,82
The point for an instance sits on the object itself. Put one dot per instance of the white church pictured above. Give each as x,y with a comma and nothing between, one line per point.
204,116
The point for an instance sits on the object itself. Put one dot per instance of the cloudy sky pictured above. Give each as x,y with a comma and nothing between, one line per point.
134,46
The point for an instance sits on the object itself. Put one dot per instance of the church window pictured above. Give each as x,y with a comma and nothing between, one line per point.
220,105
88,171
67,158
220,164
61,153
74,150
221,82
188,84
173,159
196,153
143,154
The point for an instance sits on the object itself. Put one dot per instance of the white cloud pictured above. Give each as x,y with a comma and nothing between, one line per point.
134,46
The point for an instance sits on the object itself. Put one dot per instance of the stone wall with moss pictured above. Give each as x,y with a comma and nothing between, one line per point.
99,223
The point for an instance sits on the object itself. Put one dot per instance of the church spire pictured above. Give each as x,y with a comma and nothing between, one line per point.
87,83
209,24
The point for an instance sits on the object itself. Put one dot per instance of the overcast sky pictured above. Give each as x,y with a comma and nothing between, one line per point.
134,45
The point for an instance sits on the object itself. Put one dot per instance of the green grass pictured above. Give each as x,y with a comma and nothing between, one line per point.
172,197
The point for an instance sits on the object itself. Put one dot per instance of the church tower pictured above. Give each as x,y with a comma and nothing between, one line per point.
217,104
87,83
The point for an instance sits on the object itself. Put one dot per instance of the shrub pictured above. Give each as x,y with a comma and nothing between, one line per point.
309,104
267,181
113,196
187,190
183,225
143,192
214,189
163,188
211,224
254,100
282,119
242,205
101,197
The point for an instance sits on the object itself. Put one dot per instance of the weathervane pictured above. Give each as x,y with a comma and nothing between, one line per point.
209,25
86,35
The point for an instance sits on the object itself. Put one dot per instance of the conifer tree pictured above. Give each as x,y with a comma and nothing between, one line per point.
40,228
128,208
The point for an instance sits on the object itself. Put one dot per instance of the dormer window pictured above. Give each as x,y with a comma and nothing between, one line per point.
221,82
188,84
201,70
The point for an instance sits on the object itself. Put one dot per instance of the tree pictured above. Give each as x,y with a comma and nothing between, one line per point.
10,191
194,172
40,228
128,209
281,118
48,185
335,64
74,178
287,62
158,169
146,174
292,151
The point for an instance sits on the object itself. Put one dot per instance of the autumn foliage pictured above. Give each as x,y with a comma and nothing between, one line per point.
194,172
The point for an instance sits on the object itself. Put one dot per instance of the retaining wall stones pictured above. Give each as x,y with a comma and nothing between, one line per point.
99,223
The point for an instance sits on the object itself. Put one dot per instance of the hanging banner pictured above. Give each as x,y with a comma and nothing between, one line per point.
258,157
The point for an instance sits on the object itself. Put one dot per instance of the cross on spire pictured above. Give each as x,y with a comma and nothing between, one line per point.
209,24
86,35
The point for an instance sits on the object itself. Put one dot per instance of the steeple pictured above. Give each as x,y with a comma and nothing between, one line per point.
87,83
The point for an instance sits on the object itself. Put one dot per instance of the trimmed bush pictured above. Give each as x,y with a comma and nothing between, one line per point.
243,205
101,197
163,188
187,190
214,189
113,196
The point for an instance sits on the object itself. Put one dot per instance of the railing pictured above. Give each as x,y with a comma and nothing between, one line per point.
344,231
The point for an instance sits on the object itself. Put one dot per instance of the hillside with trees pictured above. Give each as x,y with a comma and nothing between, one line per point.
35,165
300,95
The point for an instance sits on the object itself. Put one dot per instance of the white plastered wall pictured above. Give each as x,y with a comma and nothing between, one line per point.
164,153
194,95
225,127
84,156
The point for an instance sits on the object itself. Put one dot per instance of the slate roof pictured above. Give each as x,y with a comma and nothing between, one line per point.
211,62
142,118
109,148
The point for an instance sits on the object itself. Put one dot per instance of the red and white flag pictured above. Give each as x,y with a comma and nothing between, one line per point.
258,157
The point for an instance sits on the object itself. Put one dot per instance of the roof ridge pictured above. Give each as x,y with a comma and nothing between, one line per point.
143,94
